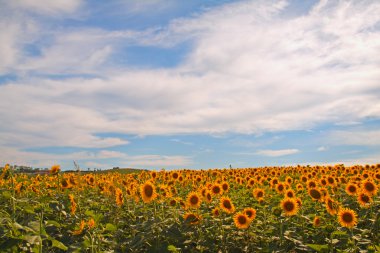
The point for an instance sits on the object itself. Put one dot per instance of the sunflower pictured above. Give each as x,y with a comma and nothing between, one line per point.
91,223
364,199
80,229
251,182
369,187
299,187
148,192
226,205
315,194
280,188
289,180
317,221
351,189
119,197
55,169
258,193
347,217
323,181
332,206
65,184
73,207
216,212
216,189
191,218
91,180
193,200
153,174
208,197
331,181
225,186
289,206
241,220
311,184
274,182
290,193
173,202
175,175
250,212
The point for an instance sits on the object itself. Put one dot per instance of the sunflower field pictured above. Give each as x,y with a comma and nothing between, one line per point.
268,209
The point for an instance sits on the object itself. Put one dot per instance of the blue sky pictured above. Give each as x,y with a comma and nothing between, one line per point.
189,84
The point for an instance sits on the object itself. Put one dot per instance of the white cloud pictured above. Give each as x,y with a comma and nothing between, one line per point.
99,159
250,70
45,7
279,152
355,137
322,148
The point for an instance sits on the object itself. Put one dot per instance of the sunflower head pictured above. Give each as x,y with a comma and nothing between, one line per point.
369,187
364,199
332,206
347,217
250,212
351,189
148,192
191,218
226,205
55,169
193,200
216,212
216,189
241,220
289,206
65,184
315,194
258,193
317,221
91,223
225,186
289,193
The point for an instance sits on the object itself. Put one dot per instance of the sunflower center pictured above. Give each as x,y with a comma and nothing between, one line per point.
289,206
249,213
352,188
194,200
227,204
216,190
148,191
365,198
260,194
369,187
242,219
315,194
347,217
64,183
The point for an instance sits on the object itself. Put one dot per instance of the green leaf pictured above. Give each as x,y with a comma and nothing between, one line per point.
32,239
173,249
111,227
58,245
90,213
337,232
318,247
52,223
7,194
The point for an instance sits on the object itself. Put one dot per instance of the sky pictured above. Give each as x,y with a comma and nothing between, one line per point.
189,84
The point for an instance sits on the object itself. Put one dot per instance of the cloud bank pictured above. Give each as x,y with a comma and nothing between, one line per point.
251,68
